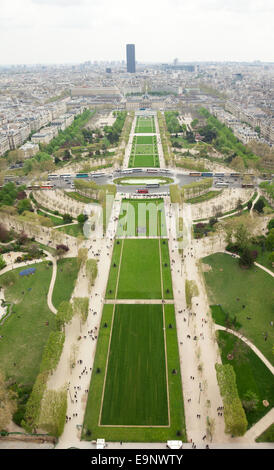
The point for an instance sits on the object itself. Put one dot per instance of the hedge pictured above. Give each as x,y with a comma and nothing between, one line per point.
234,415
52,351
91,270
53,412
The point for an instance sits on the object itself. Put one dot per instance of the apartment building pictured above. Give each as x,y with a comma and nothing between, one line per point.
29,149
4,144
44,136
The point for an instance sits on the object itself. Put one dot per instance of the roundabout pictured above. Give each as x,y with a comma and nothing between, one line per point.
142,180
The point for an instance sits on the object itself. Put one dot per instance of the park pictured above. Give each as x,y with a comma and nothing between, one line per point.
142,333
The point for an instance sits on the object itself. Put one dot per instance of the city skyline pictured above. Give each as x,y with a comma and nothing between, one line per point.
70,31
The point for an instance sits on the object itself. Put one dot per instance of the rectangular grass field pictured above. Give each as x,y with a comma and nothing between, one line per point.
145,124
139,276
133,340
136,383
145,161
142,217
144,152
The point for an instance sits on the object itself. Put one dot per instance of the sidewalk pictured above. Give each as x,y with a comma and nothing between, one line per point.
85,347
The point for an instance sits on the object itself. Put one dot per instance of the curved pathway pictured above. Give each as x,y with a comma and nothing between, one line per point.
256,264
251,345
52,283
12,266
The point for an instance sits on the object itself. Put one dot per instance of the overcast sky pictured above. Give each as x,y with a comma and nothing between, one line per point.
62,31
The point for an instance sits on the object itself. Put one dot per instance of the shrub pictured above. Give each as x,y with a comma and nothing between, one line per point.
259,205
2,263
33,406
246,258
67,219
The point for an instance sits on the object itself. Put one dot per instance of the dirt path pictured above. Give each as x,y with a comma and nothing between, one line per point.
201,394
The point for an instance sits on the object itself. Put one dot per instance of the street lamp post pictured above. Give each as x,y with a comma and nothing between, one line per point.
200,390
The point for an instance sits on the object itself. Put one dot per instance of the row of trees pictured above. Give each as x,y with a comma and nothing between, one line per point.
72,135
191,164
10,193
173,125
165,139
223,138
197,188
113,132
240,240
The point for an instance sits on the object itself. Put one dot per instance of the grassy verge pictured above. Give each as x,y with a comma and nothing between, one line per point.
204,197
56,221
72,230
267,435
166,273
67,272
78,197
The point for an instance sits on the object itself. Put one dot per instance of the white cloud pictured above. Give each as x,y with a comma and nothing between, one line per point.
46,31
62,3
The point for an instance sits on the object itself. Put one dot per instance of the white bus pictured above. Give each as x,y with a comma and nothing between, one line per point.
65,176
53,177
153,185
221,185
96,175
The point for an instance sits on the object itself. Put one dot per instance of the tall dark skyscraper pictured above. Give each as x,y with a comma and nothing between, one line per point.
131,58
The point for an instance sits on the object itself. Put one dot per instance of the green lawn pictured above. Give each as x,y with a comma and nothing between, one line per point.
166,273
136,374
80,197
73,230
263,257
251,374
144,139
140,275
144,161
142,217
144,152
227,282
113,272
56,221
140,270
145,124
144,149
25,332
204,197
267,435
67,272
91,430
143,129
